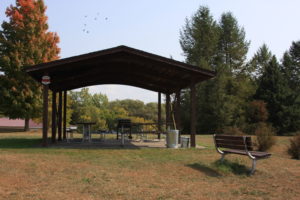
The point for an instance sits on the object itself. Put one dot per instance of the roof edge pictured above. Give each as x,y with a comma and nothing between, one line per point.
121,48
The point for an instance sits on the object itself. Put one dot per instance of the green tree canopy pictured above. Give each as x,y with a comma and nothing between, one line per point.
221,101
260,60
199,38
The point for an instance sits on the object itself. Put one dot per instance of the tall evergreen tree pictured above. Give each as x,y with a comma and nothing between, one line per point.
233,46
259,61
221,47
199,38
291,73
232,87
24,41
273,89
291,66
199,41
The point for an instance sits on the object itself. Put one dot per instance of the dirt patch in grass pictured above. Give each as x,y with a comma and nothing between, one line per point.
58,173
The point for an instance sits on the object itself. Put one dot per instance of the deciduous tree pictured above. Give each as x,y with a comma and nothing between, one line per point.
24,41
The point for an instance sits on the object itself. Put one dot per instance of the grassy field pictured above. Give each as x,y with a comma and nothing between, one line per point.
28,171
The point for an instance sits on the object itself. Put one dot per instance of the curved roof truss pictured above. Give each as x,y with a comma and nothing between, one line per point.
120,65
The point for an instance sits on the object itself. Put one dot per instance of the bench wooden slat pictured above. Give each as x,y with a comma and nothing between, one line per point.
232,137
241,147
233,142
233,146
257,154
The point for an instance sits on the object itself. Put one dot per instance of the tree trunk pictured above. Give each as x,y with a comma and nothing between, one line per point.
26,125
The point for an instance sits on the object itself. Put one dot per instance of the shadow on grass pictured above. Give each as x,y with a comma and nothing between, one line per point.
19,143
218,168
231,167
205,169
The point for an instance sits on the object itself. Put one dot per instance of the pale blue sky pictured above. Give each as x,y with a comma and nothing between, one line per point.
154,26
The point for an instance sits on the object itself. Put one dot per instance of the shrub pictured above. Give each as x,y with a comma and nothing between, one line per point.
257,112
232,130
294,148
265,136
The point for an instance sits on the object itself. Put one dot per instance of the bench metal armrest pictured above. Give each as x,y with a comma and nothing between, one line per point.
216,146
246,149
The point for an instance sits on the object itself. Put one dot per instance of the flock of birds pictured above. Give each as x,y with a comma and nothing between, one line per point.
96,18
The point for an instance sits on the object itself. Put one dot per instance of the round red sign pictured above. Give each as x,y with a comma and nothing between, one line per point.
46,80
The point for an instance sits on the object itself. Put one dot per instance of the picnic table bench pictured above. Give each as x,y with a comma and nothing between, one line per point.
70,131
242,145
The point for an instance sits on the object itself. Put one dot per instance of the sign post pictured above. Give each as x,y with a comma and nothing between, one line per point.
45,82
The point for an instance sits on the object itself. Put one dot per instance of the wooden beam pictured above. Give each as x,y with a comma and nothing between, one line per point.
65,116
168,119
59,125
193,114
54,127
124,78
159,114
111,80
123,69
45,115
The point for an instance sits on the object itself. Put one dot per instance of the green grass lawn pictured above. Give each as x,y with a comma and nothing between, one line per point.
28,171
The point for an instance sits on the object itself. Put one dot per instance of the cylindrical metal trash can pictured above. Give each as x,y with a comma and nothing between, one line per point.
185,142
172,139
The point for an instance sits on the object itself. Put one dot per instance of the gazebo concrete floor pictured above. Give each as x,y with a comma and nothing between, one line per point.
110,143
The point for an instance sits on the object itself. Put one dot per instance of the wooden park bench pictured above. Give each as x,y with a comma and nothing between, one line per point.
242,145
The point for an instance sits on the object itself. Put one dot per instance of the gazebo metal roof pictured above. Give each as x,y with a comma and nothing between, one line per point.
120,65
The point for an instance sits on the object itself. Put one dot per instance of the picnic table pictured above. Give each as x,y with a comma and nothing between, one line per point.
86,130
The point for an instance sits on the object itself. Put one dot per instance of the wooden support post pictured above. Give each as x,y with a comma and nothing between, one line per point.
59,124
45,114
65,116
177,113
53,137
168,111
159,115
193,115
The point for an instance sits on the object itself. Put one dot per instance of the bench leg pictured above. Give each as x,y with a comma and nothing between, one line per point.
253,166
223,157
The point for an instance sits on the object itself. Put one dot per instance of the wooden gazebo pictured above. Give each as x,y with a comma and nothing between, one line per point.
118,65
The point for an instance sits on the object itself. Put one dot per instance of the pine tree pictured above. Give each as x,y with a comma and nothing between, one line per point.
232,87
24,41
199,42
291,73
232,45
221,47
273,89
259,61
198,39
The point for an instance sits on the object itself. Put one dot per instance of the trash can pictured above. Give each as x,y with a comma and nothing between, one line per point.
185,142
172,139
